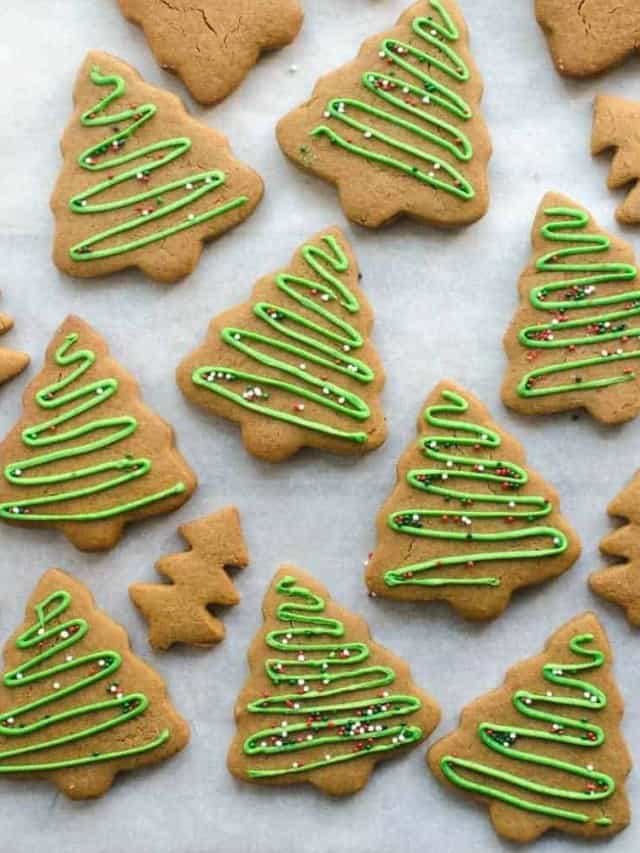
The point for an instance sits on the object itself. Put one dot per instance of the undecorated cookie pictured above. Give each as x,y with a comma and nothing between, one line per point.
213,44
399,129
545,750
467,522
573,342
142,183
87,456
616,125
294,365
588,36
77,707
179,612
620,582
12,362
323,703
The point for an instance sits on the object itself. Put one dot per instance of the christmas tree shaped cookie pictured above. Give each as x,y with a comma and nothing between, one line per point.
323,703
620,582
616,125
467,522
88,457
142,184
11,362
76,705
214,44
179,612
588,36
399,129
545,751
293,365
573,343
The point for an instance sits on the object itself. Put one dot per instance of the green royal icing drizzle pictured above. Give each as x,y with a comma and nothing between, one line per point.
560,729
148,159
418,117
327,344
437,481
580,294
333,716
49,433
99,665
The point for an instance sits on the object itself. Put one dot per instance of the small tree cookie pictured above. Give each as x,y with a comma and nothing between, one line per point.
467,522
398,130
545,750
293,365
142,183
88,457
213,44
616,125
179,612
12,362
323,703
573,343
77,706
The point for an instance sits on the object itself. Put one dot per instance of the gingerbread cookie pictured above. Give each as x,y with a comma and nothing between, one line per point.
142,184
179,612
616,125
12,362
545,750
213,45
324,703
77,707
293,365
573,341
588,36
620,582
467,523
399,129
88,457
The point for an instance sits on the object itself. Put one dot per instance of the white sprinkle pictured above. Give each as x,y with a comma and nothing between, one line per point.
327,114
64,634
69,658
40,631
56,685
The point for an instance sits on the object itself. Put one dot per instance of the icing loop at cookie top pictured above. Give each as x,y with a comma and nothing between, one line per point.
50,638
66,443
326,343
453,465
151,206
582,294
331,693
557,728
413,100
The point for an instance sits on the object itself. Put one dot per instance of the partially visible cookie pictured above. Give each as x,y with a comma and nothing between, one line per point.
294,365
468,522
77,707
179,612
616,125
142,183
213,44
545,751
620,582
573,342
399,129
588,36
12,362
87,457
323,703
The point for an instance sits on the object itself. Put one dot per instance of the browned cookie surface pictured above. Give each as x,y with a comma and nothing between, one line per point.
616,130
142,183
12,362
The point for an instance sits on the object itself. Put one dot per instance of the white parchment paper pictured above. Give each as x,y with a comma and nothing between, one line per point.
442,302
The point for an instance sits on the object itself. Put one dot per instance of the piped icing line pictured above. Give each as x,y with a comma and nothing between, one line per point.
59,433
149,206
49,637
332,714
413,99
452,465
550,710
580,294
328,343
